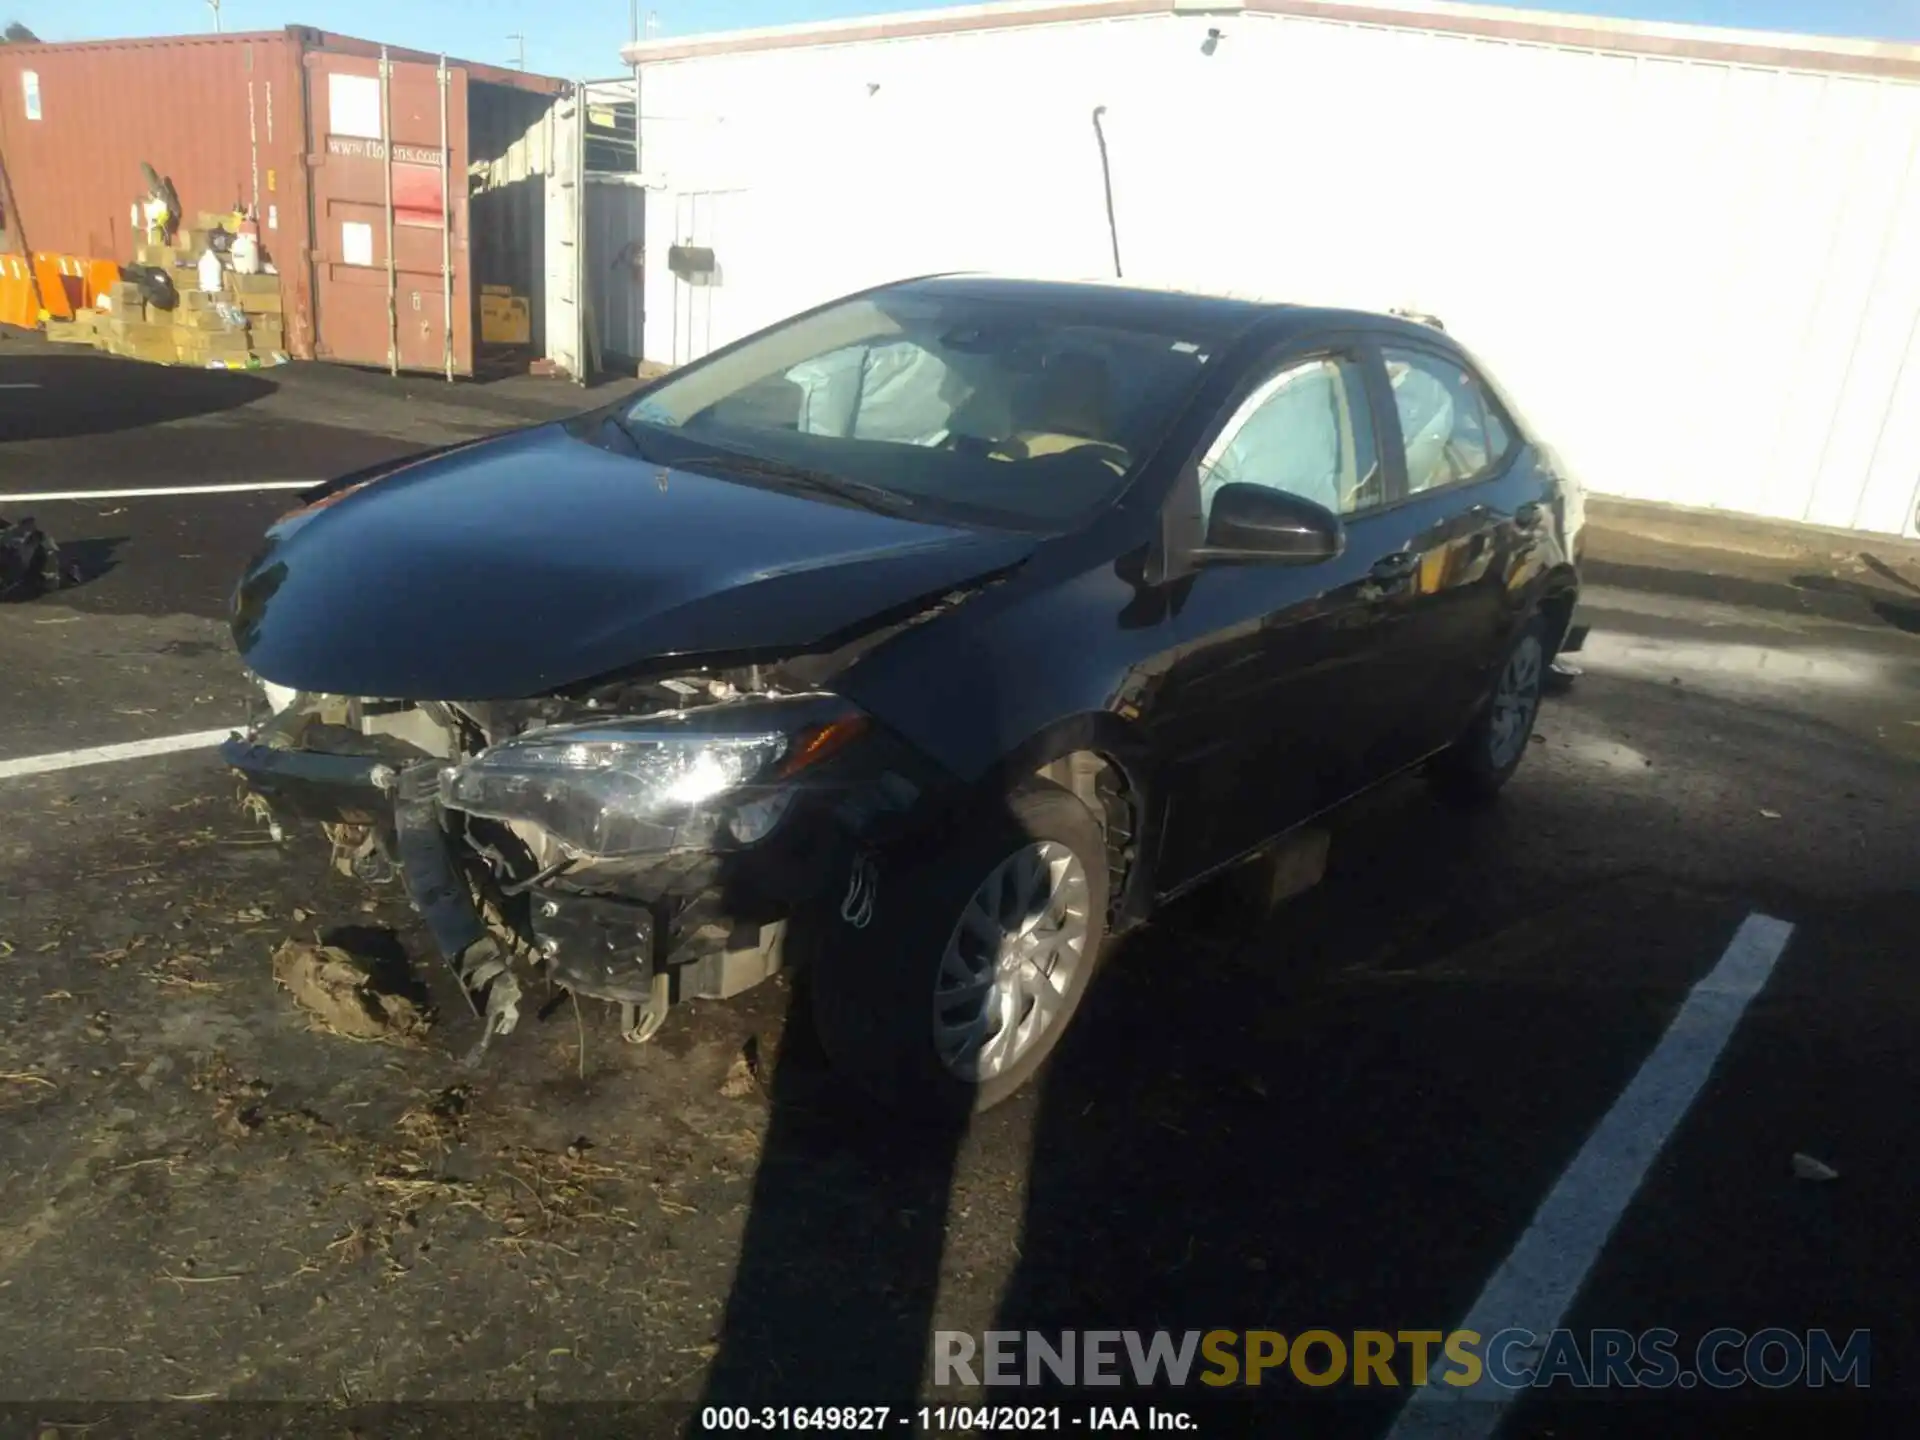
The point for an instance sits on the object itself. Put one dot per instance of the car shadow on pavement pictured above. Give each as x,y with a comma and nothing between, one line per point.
57,396
1214,1145
1898,608
1333,1116
832,1300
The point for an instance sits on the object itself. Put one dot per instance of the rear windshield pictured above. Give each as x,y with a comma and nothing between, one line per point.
1002,412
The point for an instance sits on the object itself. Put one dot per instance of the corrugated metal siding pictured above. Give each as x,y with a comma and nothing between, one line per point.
410,308
221,115
496,119
226,116
184,105
1701,278
476,73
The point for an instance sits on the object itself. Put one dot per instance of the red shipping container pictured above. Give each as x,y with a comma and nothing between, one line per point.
247,119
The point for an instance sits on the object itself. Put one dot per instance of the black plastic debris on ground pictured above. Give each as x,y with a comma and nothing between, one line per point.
29,560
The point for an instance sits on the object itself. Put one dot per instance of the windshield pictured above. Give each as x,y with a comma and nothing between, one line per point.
984,409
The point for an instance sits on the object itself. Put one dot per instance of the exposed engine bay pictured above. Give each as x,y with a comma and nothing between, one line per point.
638,842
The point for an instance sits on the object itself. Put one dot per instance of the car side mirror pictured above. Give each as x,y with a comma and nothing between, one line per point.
1253,522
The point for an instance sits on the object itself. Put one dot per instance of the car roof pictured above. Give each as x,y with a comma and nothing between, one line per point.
1202,313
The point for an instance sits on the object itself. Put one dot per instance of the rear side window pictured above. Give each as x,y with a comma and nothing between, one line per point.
1450,432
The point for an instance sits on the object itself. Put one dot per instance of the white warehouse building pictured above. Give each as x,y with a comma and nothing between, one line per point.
1692,254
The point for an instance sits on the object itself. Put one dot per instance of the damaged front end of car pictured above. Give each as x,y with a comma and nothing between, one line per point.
639,842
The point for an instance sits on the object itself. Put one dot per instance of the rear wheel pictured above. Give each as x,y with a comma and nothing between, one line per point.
1484,757
975,960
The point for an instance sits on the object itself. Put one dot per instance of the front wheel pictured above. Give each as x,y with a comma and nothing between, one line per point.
1485,756
975,960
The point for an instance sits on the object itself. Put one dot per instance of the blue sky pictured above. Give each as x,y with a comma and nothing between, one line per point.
580,38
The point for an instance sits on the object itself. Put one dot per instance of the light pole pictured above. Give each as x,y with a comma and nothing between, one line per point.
520,51
214,5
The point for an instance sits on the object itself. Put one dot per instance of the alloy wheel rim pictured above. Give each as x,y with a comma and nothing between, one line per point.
1515,700
1010,963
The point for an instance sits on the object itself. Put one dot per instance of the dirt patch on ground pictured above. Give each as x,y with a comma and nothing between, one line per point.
343,994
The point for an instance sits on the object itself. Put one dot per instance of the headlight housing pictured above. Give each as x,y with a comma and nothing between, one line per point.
717,778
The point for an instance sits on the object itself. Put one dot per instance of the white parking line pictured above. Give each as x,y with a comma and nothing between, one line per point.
1536,1284
107,754
48,495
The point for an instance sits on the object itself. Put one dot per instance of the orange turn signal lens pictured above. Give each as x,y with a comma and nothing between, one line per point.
821,741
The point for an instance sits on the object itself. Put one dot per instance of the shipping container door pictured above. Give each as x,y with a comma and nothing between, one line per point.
616,215
566,204
391,282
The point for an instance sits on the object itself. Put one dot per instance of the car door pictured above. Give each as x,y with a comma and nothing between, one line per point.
1460,529
1273,688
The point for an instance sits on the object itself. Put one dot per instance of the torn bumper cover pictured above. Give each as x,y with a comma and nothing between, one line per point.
633,860
445,901
308,785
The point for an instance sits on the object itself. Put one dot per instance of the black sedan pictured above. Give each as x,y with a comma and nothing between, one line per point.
930,637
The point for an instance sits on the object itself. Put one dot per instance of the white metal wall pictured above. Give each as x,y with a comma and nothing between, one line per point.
1702,281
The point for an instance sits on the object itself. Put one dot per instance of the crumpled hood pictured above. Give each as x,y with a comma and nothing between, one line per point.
520,565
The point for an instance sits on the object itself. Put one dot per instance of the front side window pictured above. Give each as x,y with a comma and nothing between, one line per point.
1025,414
1443,419
1306,430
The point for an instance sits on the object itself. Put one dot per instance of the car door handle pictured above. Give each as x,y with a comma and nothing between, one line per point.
1530,516
1395,568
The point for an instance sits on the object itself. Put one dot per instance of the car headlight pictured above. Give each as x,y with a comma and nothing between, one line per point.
716,778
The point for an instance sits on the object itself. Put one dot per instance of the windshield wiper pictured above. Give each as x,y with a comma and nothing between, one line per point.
871,497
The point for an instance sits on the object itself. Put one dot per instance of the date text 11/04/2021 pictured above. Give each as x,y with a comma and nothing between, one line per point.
944,1419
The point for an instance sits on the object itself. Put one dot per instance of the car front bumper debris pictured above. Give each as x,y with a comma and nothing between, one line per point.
639,932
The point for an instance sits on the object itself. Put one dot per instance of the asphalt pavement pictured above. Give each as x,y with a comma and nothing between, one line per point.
1397,1103
116,440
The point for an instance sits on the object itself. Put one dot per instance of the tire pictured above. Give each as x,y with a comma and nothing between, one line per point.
1473,770
874,989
